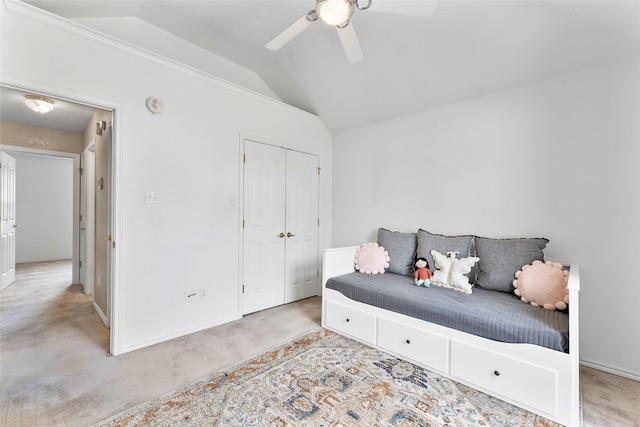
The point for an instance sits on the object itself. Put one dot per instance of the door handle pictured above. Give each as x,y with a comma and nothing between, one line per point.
281,235
108,238
290,235
16,225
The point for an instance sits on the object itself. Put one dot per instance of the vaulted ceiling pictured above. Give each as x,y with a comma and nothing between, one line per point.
466,49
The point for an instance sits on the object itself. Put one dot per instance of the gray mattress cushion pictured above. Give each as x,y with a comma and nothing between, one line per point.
501,258
494,315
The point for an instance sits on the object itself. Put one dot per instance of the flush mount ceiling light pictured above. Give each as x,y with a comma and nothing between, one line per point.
38,104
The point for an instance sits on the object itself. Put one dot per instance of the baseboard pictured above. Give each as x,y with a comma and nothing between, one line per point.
618,372
164,338
101,314
28,261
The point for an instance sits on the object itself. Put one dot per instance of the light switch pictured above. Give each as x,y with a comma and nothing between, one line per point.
151,197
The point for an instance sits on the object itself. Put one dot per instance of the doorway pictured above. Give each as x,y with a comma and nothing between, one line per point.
19,138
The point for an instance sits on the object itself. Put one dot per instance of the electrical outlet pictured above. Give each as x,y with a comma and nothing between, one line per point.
203,293
190,296
151,196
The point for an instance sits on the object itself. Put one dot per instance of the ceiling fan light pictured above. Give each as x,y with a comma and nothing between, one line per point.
334,12
38,104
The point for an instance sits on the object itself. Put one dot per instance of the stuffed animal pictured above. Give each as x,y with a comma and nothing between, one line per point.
451,271
422,275
543,285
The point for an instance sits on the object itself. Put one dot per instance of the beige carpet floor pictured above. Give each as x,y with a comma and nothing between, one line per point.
55,369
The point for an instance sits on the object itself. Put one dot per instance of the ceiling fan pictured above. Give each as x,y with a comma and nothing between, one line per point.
338,13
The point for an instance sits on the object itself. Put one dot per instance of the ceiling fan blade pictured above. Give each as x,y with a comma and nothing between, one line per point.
289,33
422,8
350,43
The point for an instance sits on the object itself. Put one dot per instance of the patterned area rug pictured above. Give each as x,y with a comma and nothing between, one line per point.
325,379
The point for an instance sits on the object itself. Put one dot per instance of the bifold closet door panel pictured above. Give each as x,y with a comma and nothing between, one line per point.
264,226
302,275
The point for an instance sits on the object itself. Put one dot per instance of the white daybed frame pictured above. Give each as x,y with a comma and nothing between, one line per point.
538,379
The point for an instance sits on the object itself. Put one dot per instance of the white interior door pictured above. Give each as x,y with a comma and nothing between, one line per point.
302,276
82,234
87,222
264,227
8,220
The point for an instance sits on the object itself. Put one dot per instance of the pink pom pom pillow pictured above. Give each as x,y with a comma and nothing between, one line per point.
371,258
543,285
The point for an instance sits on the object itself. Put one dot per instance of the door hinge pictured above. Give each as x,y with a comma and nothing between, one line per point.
318,222
80,217
80,170
318,273
80,264
244,158
319,170
243,289
243,223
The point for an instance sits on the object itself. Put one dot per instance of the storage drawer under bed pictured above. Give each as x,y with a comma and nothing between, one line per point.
351,322
415,344
531,384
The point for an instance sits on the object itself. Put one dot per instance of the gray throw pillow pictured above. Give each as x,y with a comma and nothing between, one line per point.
443,244
501,258
401,248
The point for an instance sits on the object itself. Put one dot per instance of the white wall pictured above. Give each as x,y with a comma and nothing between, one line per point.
152,38
560,159
190,155
44,207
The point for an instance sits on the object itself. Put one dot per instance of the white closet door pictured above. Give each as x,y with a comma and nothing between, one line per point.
301,271
8,217
264,226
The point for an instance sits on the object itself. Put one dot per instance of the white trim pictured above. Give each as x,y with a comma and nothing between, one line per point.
244,136
240,211
42,260
101,315
614,371
117,209
51,91
183,333
38,151
48,18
